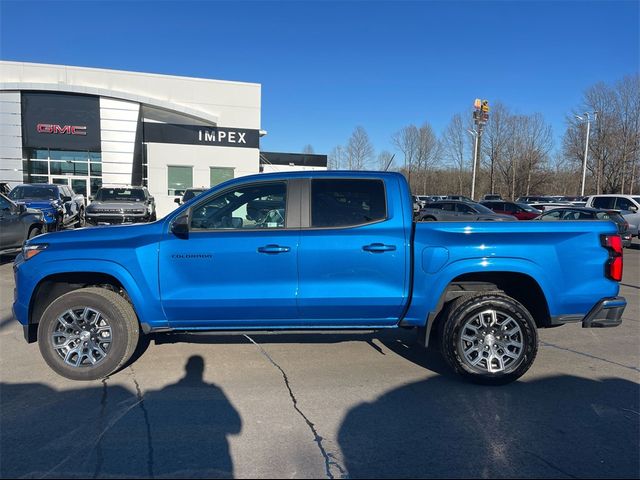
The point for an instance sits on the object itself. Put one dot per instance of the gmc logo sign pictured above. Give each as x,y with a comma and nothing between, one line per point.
61,129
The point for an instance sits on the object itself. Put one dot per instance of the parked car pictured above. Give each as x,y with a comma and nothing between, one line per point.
492,196
627,205
121,205
521,211
189,193
17,224
457,210
458,197
544,206
535,199
586,213
60,205
337,250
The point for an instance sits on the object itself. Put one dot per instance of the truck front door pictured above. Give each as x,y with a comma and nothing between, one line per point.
237,265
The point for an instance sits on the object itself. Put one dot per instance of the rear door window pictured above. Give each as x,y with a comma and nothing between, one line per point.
347,202
604,202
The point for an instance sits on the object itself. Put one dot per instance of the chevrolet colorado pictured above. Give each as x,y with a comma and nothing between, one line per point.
316,250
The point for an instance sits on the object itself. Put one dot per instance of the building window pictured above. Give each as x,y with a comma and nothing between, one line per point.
179,179
80,170
219,174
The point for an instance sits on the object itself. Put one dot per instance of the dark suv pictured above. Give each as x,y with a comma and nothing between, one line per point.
121,205
17,223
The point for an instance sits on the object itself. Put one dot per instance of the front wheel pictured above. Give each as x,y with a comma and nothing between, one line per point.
489,338
87,334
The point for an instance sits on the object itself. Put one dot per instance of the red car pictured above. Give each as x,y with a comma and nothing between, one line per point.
521,211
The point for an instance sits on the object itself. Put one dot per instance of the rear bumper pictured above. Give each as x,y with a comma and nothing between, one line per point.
606,313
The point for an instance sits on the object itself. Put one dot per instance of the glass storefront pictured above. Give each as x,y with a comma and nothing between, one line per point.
82,171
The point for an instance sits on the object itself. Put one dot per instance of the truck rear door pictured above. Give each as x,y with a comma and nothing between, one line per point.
352,259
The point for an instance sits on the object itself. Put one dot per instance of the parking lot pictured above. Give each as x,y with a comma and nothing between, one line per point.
336,406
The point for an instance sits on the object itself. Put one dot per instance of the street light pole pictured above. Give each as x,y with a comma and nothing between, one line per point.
475,162
586,147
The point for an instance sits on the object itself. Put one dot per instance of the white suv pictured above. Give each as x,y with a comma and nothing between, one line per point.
627,205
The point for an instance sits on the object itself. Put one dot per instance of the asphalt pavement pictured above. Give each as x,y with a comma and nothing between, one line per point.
336,406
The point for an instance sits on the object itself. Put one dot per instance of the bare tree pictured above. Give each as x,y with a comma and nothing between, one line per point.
337,158
455,151
495,139
427,154
406,141
614,143
308,149
359,150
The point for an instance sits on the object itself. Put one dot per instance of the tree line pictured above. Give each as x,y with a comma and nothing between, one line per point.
517,155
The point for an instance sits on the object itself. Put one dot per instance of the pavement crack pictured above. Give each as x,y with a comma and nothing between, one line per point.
146,421
550,464
588,355
103,408
329,458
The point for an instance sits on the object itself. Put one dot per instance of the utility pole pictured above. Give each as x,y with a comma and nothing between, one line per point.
480,119
587,118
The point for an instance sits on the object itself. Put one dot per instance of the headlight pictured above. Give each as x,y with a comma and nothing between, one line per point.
30,251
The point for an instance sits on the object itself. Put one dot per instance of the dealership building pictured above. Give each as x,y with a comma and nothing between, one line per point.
88,127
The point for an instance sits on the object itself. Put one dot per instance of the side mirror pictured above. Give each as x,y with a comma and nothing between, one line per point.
66,199
177,200
180,226
91,197
22,208
633,208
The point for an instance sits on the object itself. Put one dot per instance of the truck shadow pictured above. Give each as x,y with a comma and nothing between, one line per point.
110,431
561,426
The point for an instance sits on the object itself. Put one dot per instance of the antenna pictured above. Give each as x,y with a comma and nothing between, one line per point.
389,163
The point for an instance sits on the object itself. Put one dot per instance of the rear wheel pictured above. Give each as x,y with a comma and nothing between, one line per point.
88,333
489,338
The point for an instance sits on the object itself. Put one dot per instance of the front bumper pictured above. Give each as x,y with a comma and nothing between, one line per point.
110,219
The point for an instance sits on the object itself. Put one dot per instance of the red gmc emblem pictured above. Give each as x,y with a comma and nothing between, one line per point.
63,129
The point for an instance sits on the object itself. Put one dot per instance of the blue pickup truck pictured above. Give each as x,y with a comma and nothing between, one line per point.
316,250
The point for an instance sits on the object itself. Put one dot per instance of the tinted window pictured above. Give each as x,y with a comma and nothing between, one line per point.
35,192
120,195
603,202
462,208
4,204
249,207
437,206
341,203
623,203
449,207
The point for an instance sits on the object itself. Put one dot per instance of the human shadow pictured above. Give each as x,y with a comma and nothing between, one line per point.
558,427
111,431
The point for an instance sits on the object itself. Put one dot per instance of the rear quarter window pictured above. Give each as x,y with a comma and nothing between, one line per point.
603,202
347,202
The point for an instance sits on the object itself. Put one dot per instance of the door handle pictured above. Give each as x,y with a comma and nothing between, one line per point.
378,248
273,249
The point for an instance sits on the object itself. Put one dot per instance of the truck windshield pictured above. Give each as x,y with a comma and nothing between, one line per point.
34,191
120,195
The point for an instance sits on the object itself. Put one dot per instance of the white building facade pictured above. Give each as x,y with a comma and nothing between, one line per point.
88,127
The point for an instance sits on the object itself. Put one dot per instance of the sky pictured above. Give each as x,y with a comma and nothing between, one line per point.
327,67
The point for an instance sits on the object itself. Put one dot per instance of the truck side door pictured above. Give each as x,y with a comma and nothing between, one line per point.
237,266
352,258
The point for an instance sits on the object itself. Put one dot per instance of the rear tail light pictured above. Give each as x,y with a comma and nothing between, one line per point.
613,267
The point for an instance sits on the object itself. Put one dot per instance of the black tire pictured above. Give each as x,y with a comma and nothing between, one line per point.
81,219
428,219
461,312
153,217
34,232
119,313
